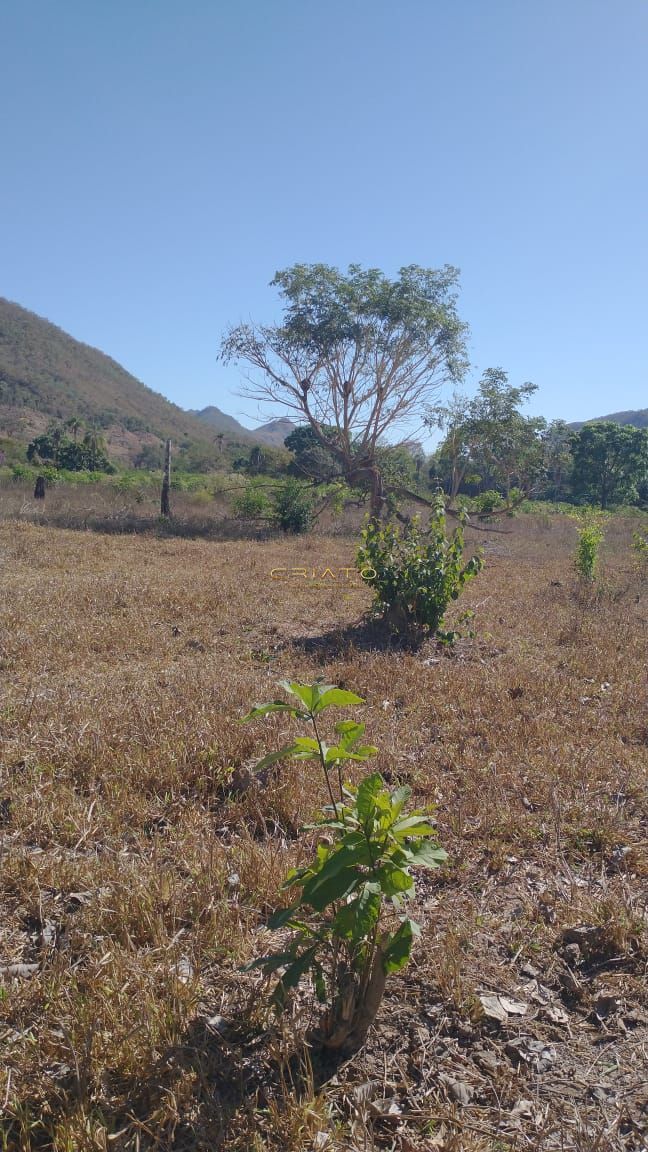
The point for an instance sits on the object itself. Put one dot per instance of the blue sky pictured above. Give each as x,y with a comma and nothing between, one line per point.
162,159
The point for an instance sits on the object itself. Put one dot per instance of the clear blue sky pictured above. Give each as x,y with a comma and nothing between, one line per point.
161,159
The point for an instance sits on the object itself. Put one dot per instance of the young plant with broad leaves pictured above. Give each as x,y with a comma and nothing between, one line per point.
416,573
348,922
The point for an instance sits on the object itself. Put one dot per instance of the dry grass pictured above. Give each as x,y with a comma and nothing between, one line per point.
135,882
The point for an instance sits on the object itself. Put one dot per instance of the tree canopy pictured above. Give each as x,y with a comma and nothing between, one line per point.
488,438
355,352
610,463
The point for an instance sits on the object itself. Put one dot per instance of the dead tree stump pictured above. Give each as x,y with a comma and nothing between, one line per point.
39,490
165,507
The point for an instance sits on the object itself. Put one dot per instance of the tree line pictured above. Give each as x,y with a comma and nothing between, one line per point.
358,360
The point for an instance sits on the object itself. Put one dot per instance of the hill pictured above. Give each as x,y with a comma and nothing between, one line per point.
46,375
273,433
638,418
220,421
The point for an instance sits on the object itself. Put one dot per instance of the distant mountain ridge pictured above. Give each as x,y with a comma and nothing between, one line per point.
637,417
46,375
273,433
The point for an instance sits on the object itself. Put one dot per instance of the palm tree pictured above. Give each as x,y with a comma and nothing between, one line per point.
75,425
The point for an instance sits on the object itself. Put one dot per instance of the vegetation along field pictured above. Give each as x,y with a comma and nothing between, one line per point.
142,858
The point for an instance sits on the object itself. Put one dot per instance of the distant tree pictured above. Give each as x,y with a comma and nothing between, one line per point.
557,460
355,352
610,463
489,438
56,448
311,459
75,425
149,457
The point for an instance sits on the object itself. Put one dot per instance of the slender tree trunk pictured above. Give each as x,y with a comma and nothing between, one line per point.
378,497
165,507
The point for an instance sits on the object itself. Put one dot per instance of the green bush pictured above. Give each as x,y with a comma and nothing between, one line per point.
22,472
487,503
251,504
348,927
414,573
590,537
293,507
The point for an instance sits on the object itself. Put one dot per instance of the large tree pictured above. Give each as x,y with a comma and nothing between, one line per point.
489,437
358,353
610,463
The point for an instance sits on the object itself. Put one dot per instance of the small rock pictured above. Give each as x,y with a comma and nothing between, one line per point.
499,1008
184,969
461,1092
488,1061
530,971
526,1050
606,1004
219,1024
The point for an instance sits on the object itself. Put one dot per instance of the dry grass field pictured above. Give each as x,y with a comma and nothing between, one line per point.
137,873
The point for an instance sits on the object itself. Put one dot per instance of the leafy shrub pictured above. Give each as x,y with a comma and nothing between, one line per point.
590,537
251,504
22,472
347,922
487,503
293,507
416,574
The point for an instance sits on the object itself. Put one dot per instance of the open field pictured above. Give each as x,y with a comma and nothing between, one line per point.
136,879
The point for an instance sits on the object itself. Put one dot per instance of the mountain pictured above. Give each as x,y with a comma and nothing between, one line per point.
638,418
273,433
220,421
47,375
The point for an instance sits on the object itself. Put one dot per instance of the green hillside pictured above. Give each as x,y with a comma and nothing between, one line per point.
47,375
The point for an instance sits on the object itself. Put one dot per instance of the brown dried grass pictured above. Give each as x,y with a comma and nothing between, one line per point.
137,883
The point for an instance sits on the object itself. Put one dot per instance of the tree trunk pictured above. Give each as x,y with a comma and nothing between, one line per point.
39,490
344,1028
165,507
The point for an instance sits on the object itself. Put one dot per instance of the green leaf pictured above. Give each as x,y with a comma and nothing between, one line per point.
399,948
350,729
306,744
292,750
400,797
292,976
269,963
394,880
426,854
339,752
303,692
415,825
282,916
367,793
332,884
357,919
319,982
336,697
